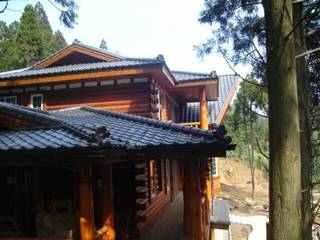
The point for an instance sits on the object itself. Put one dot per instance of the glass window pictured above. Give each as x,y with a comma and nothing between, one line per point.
9,99
37,101
214,167
155,177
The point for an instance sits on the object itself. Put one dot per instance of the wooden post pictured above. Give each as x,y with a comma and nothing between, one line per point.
203,109
208,181
86,204
165,114
193,221
107,231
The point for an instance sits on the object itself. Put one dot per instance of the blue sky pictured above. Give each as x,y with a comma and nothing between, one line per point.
139,28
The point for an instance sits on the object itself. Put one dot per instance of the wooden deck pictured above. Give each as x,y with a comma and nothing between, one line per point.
170,224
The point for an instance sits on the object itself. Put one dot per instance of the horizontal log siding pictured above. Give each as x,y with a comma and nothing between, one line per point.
130,98
133,98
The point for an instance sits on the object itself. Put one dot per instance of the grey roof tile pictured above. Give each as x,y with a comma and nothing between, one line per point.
78,128
191,112
79,68
182,76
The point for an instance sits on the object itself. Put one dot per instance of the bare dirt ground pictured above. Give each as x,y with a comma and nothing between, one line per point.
237,190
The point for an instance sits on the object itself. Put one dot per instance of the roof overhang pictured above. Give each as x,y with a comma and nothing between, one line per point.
54,157
86,75
190,89
227,102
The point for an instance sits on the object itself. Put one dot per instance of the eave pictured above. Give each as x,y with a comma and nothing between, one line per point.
43,79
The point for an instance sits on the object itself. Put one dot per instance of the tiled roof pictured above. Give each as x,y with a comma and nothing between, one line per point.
85,127
191,112
80,68
181,76
122,62
42,139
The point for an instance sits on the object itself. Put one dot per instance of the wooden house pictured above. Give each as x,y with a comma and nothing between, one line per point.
95,171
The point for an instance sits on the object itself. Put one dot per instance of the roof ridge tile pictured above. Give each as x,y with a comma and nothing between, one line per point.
211,134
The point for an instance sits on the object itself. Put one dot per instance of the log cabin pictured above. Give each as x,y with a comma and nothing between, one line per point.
93,150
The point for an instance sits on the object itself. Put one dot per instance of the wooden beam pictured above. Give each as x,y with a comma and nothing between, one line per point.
192,194
165,112
86,204
107,231
203,109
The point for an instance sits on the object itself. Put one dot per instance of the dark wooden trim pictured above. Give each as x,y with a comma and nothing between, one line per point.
220,226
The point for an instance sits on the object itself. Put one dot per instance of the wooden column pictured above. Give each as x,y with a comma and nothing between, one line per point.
192,194
165,112
107,231
86,204
203,109
206,170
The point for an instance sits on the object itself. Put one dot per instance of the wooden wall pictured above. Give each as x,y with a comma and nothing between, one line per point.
149,209
129,98
216,186
132,97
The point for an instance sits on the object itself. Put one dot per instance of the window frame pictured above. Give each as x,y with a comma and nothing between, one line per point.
36,95
215,170
155,175
6,97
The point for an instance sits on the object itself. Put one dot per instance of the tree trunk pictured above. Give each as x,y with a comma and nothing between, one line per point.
284,137
252,160
252,172
303,90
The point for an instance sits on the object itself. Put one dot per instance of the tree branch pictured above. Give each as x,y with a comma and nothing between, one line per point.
260,150
5,7
56,7
245,105
304,17
308,52
232,68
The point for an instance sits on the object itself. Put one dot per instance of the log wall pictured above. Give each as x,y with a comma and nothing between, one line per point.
131,98
124,95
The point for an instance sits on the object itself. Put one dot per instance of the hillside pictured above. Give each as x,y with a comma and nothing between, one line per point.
236,189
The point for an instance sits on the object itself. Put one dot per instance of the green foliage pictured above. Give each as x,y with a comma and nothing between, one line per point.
239,33
247,128
29,37
68,13
29,40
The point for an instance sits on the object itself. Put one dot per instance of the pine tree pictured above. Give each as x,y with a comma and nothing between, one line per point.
103,44
59,41
8,48
30,40
29,37
47,39
242,24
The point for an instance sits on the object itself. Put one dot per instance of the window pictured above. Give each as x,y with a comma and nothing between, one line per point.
37,101
214,169
155,177
9,99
